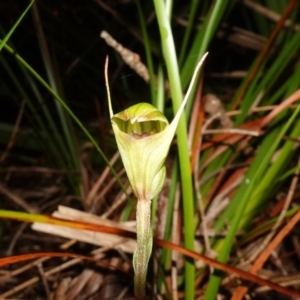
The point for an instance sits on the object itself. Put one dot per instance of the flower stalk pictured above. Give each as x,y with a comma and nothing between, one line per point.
144,247
144,136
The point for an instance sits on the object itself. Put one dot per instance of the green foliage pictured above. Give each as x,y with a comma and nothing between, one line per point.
64,76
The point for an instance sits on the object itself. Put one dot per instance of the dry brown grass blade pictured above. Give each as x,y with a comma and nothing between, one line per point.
97,255
278,109
87,236
89,200
195,127
218,189
268,249
230,138
229,269
23,257
269,14
267,47
14,134
17,199
242,274
224,141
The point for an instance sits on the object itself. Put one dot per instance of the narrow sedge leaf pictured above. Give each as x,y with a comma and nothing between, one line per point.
6,38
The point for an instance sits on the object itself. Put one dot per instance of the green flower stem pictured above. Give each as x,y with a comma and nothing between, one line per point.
144,246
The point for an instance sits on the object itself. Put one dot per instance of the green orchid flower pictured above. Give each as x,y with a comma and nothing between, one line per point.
144,136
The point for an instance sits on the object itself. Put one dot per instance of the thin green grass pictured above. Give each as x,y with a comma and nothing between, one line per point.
170,57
